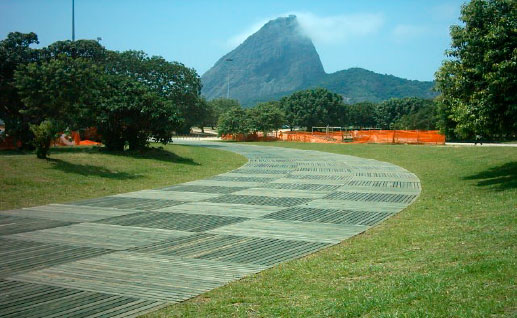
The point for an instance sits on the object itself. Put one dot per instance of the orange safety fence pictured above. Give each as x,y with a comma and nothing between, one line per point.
74,139
352,136
248,137
9,143
398,136
304,136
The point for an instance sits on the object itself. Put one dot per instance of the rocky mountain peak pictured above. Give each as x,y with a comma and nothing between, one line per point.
277,59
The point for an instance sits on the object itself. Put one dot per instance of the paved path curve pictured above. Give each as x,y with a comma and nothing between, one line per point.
131,253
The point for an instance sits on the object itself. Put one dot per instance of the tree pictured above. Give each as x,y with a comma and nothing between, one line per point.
62,90
234,121
170,80
206,114
15,50
422,118
132,113
361,115
312,107
44,133
221,105
479,82
86,49
266,117
392,111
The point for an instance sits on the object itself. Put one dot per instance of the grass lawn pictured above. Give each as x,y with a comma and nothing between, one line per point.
85,172
453,253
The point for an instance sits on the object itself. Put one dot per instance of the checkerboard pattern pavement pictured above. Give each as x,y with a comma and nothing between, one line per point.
128,254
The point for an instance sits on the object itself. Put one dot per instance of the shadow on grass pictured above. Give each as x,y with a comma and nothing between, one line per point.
503,177
151,153
90,170
154,153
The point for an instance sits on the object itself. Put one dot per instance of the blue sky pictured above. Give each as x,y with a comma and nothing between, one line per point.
405,38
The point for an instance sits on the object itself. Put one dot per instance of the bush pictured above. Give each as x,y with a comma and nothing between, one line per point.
44,133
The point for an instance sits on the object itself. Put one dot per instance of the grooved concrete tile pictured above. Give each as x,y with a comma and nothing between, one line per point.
143,276
222,209
173,221
180,196
21,299
67,213
259,200
291,230
238,249
283,193
220,183
124,255
21,256
97,235
10,224
372,206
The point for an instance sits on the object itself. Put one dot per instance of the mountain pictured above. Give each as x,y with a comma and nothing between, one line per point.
358,85
279,59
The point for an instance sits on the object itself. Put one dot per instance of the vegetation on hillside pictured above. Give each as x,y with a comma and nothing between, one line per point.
360,85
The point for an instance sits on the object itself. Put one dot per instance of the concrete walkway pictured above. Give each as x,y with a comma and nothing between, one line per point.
124,255
485,144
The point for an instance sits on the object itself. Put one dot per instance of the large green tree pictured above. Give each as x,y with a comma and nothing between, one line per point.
361,115
15,50
234,121
406,113
478,84
220,106
87,49
266,117
131,113
171,80
62,91
313,107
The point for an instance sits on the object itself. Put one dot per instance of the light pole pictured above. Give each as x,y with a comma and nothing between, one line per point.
73,20
228,79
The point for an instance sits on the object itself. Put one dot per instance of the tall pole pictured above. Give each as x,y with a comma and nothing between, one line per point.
228,79
73,20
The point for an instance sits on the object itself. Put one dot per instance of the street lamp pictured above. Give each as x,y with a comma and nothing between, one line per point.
228,80
73,20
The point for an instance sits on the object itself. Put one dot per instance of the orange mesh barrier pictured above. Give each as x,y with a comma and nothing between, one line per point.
9,143
74,139
248,137
356,136
398,136
303,136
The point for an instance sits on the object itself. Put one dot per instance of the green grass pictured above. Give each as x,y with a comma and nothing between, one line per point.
450,254
81,173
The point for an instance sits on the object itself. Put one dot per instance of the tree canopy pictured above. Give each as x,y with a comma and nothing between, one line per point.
360,115
15,50
312,107
266,117
479,82
406,113
234,121
129,96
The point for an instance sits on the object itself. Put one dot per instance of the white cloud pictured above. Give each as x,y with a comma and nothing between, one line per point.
338,28
324,29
